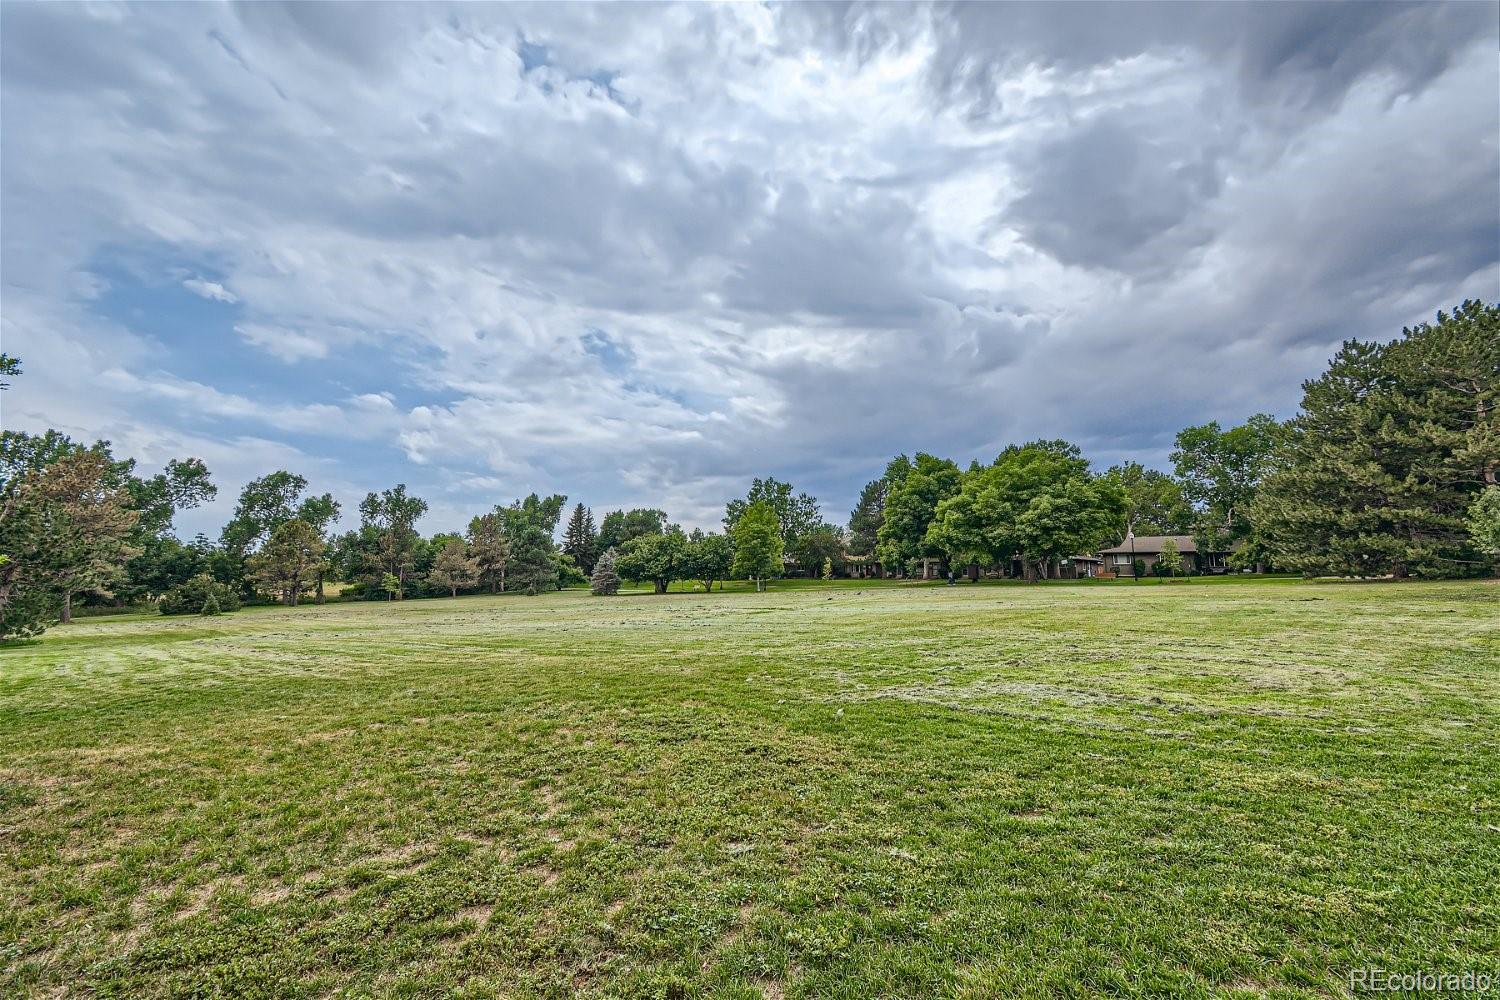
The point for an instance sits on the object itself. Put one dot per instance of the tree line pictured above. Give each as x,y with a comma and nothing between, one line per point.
1388,469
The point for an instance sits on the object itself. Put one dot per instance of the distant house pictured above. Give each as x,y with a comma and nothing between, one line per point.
1147,548
1077,568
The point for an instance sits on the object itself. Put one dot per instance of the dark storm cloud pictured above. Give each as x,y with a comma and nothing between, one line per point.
1302,54
1104,192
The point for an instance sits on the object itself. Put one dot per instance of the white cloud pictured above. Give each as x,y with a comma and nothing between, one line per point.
211,290
288,345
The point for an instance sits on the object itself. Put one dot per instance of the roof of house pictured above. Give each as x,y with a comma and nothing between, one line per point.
1147,545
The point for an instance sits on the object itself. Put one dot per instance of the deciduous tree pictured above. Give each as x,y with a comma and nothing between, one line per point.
757,544
796,514
1169,560
620,526
1484,522
911,503
709,558
1036,501
1154,502
657,558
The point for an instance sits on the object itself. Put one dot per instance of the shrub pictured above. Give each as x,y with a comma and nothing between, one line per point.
210,606
191,597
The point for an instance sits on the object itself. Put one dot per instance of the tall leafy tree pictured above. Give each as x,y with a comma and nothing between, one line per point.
620,526
391,516
1154,501
916,489
1036,502
264,503
758,546
290,560
796,513
1220,472
580,540
1392,445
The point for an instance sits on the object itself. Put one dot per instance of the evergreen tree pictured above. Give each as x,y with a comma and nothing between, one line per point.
190,596
454,568
1393,444
529,525
867,517
490,550
580,539
290,561
391,518
605,582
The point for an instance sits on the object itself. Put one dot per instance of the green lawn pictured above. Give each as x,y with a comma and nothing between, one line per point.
1242,789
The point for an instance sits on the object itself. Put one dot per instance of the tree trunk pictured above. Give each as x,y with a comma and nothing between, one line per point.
67,608
1029,569
502,579
294,596
661,586
401,590
320,586
455,591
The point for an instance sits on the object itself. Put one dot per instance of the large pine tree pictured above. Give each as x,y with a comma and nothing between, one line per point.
580,540
1393,444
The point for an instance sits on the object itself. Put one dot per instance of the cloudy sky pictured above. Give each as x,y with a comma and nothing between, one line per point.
639,254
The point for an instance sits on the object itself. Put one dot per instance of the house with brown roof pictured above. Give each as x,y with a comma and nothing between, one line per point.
1147,548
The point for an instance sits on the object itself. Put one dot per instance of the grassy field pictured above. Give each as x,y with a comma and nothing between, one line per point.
1235,790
